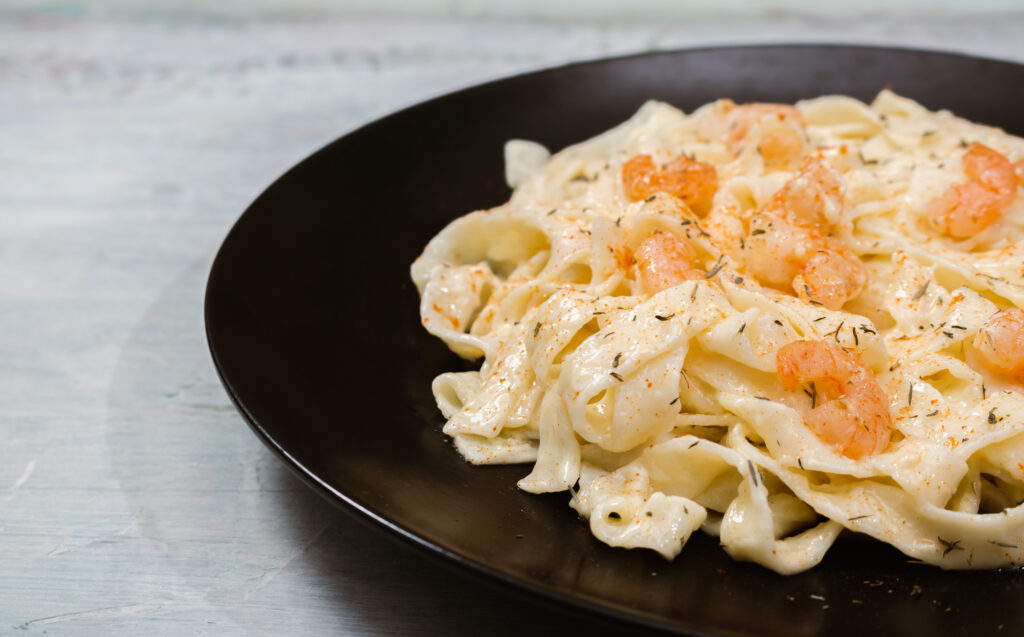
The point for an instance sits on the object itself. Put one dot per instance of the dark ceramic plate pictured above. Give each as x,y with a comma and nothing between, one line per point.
313,325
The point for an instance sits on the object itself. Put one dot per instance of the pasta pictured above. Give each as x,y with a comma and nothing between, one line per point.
772,323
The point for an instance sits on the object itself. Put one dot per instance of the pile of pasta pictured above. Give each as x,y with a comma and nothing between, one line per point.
664,413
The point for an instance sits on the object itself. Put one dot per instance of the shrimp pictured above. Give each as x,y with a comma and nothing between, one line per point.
814,196
775,248
1000,344
664,261
692,181
742,118
786,242
780,145
774,145
966,209
832,276
855,417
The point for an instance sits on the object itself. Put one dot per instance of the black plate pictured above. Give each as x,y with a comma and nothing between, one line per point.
313,325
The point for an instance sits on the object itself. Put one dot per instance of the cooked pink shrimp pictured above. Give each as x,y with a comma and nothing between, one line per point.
781,145
855,417
786,241
773,146
1000,344
775,248
831,277
692,181
966,209
665,260
813,196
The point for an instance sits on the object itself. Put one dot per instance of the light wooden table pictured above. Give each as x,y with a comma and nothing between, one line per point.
133,498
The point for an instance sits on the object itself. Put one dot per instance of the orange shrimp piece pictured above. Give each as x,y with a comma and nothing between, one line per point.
692,181
780,145
664,261
1000,344
775,248
786,241
855,418
831,277
813,196
966,209
741,119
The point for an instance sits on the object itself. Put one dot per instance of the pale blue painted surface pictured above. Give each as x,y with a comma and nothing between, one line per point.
133,500
572,10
